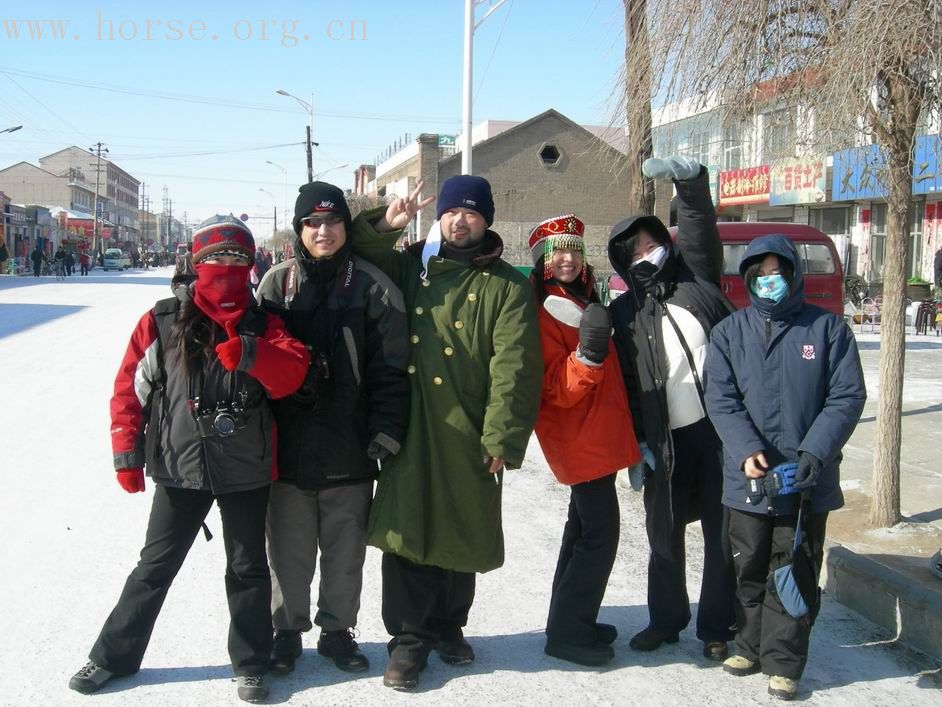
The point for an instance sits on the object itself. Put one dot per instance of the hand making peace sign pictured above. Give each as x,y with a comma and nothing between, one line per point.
401,211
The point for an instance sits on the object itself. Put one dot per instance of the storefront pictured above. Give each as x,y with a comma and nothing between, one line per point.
857,178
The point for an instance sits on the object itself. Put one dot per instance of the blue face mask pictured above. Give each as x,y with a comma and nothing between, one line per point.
771,287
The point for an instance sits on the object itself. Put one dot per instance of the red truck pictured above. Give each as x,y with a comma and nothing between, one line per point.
824,277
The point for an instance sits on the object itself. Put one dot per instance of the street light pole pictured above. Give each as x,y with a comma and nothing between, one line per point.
284,213
274,225
309,131
469,27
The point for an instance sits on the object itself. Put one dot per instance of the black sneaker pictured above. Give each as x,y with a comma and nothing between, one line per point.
405,664
91,678
456,651
592,656
251,688
651,639
343,649
286,650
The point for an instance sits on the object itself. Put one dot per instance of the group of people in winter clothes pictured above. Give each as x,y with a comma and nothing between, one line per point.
424,371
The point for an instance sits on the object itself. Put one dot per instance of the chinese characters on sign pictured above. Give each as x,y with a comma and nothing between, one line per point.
744,186
859,172
798,181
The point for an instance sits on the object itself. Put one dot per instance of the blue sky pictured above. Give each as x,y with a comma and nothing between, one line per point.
403,75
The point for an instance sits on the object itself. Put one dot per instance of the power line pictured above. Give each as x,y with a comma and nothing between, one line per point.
48,109
184,98
494,50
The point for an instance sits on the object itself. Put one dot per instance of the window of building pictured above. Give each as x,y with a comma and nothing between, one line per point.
832,221
878,240
733,146
778,134
549,155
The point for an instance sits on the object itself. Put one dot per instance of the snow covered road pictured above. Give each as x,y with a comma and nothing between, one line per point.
70,535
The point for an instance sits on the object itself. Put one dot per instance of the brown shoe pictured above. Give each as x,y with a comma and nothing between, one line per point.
405,664
455,652
716,650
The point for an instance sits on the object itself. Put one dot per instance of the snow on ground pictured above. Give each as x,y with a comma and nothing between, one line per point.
70,536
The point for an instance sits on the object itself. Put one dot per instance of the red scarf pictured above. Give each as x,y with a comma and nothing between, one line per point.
222,291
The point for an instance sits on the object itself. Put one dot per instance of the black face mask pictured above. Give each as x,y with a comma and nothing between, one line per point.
645,274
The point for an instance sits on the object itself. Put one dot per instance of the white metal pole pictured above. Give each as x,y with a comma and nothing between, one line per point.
468,71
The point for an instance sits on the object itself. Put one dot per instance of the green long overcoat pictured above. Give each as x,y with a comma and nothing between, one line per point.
476,374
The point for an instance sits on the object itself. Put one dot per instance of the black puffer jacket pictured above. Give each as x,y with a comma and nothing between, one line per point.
689,278
352,318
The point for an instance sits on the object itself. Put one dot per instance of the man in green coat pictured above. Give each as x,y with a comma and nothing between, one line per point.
476,375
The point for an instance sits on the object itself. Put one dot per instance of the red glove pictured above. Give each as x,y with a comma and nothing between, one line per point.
230,352
131,480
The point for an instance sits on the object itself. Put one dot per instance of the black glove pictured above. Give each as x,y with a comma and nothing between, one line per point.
595,330
809,469
377,450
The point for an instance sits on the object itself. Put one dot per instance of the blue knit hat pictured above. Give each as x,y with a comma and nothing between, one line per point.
466,192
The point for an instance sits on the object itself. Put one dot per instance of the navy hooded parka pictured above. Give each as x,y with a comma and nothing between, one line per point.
783,378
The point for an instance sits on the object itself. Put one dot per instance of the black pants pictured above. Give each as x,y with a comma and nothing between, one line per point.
590,542
423,604
175,521
761,544
697,479
36,267
84,269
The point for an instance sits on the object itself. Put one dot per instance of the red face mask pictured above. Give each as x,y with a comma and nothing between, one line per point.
222,291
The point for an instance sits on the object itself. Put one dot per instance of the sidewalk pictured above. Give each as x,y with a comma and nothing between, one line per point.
883,573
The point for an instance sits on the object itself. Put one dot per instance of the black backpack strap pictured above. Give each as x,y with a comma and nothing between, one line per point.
689,355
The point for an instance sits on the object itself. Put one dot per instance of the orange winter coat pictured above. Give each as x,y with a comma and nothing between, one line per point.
584,425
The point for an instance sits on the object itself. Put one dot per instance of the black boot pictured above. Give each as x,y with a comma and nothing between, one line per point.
286,650
606,633
651,639
405,664
593,656
341,646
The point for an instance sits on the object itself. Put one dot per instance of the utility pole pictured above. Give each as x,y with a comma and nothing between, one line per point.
170,222
140,219
97,150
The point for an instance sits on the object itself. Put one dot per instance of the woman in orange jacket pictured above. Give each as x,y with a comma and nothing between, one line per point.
585,429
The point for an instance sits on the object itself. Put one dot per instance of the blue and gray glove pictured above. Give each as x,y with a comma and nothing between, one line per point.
637,473
678,167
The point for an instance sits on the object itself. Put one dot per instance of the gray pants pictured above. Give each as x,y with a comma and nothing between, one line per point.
298,523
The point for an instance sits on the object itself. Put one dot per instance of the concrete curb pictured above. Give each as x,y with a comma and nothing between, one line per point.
910,610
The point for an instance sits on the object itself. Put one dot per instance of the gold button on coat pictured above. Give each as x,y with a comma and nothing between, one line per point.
436,380
449,351
411,369
459,325
426,283
472,297
415,338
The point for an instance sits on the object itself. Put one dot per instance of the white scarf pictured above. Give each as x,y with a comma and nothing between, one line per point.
433,243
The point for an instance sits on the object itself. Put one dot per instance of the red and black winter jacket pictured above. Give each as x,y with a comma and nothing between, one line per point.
153,420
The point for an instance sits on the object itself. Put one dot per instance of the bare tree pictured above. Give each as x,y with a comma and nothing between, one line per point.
637,102
858,72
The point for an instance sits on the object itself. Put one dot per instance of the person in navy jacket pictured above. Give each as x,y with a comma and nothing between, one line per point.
783,384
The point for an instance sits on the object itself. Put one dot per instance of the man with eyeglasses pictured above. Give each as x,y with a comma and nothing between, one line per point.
349,415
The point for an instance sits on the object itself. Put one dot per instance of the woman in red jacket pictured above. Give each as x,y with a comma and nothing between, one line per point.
191,405
584,427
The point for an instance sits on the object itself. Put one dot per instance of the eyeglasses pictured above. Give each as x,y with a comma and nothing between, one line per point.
318,220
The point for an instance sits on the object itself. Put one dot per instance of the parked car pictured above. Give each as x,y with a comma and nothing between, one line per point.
820,263
116,259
